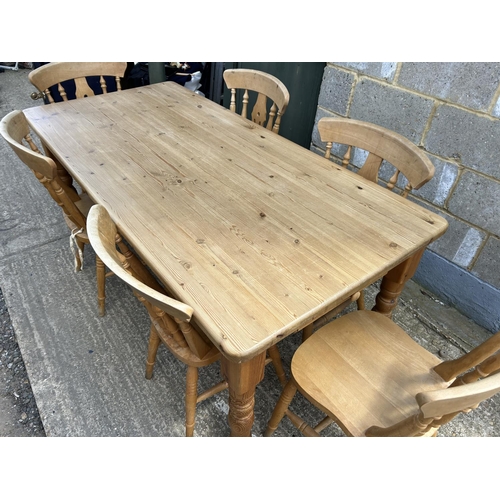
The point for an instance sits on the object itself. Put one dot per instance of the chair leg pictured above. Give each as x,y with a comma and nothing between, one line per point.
191,397
101,284
281,407
154,343
274,354
361,301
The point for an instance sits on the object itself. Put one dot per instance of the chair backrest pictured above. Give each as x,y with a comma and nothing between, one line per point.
477,378
62,78
266,86
15,130
169,316
381,144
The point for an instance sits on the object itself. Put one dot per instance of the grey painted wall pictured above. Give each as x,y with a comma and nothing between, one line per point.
452,111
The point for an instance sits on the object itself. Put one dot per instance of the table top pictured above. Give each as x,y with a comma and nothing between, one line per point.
259,235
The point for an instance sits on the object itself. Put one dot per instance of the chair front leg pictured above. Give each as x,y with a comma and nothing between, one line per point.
191,397
274,354
154,342
281,407
101,284
361,301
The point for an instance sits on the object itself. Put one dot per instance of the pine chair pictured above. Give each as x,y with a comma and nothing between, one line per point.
380,144
63,81
75,206
170,319
266,86
373,379
58,81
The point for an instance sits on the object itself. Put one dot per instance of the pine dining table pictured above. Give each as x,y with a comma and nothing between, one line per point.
260,236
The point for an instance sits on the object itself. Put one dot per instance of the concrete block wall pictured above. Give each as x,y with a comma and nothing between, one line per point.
452,111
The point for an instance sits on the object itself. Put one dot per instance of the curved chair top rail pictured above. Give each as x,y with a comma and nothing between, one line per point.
102,235
14,129
258,81
387,144
53,73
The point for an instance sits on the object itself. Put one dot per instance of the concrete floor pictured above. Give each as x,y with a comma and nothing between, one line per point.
87,372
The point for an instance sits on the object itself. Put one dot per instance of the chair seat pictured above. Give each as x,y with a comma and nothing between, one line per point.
363,370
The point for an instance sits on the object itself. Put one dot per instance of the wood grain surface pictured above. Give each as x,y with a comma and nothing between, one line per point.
258,235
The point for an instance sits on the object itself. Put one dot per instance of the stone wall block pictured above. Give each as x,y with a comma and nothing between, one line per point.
390,107
476,200
335,90
438,189
496,109
384,70
460,243
470,84
469,248
472,140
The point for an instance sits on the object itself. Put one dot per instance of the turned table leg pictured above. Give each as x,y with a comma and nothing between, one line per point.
393,283
61,171
307,332
242,379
